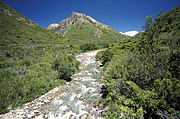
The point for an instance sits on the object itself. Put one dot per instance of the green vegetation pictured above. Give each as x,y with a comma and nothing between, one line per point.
142,74
34,60
92,33
88,46
104,56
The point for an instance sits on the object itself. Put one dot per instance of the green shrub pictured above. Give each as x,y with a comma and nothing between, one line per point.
143,79
107,56
64,72
99,55
26,62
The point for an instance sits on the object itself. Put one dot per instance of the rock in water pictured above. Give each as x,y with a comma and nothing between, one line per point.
46,101
84,116
71,117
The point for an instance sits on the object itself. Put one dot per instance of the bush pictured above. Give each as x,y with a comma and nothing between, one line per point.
88,46
99,55
64,72
107,56
26,62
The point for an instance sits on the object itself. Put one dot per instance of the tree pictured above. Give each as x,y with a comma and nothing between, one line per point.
107,56
149,22
65,72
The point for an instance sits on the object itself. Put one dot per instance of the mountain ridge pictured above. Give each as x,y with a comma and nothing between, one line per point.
81,26
68,21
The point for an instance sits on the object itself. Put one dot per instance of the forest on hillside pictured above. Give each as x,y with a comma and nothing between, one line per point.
142,74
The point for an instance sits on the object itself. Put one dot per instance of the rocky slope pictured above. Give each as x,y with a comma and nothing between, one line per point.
80,26
54,25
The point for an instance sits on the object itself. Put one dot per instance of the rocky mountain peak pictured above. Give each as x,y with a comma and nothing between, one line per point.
76,15
82,16
75,18
51,26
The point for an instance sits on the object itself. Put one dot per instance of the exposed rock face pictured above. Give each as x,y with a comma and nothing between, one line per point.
20,19
54,25
76,17
31,23
7,11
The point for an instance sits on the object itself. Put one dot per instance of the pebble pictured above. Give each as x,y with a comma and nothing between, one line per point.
35,108
36,112
71,117
78,96
39,117
84,116
31,115
46,101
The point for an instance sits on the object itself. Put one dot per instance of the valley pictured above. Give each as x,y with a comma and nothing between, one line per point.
84,69
79,98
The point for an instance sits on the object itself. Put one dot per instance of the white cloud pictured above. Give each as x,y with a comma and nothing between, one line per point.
130,33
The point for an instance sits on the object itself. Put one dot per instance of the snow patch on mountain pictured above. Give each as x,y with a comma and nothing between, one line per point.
130,33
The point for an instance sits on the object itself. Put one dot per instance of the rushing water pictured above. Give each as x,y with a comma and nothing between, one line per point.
78,99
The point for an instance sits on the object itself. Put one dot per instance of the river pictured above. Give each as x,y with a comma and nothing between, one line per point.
78,99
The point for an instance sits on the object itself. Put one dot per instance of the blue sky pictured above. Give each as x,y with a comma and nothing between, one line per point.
122,15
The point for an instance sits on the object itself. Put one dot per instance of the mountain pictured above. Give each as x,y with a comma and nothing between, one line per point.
80,26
